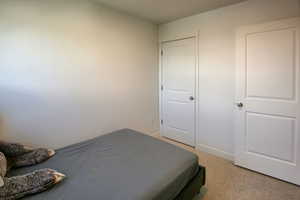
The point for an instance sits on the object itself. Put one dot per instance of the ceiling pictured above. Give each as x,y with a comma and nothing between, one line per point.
162,11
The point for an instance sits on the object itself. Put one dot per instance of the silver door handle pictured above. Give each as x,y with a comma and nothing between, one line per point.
192,98
240,104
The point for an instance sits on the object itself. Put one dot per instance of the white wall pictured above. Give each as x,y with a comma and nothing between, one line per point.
73,70
216,32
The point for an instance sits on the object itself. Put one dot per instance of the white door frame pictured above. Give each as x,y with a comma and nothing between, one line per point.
194,35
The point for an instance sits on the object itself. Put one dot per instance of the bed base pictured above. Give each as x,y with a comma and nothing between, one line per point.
193,187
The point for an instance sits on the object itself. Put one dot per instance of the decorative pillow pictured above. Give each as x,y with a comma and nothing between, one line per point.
15,155
14,149
19,155
35,182
3,168
33,157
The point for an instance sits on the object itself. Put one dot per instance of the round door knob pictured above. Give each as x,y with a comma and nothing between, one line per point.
191,98
240,104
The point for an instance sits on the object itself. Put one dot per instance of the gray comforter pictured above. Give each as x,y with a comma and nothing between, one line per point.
123,165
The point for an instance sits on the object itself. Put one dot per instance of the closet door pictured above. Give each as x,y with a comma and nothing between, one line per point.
178,90
267,107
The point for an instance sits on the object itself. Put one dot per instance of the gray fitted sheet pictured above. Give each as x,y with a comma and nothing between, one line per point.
123,165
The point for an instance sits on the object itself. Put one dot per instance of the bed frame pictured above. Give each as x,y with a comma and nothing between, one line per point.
193,187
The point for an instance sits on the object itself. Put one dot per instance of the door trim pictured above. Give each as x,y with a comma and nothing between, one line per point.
195,36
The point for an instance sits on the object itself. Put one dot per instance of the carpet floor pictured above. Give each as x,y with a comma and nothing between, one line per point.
225,181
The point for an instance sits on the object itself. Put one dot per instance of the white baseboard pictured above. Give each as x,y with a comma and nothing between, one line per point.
207,149
154,133
215,151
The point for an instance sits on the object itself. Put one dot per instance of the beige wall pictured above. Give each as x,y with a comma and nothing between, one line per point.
216,31
73,70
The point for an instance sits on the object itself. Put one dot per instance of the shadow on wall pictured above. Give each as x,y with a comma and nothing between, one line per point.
18,111
73,70
34,118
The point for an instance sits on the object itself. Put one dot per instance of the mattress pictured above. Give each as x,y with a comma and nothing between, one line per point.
123,165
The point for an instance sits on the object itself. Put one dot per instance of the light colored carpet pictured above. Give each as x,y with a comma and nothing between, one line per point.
226,181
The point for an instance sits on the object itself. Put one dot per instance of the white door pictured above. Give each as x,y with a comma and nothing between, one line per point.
268,109
178,90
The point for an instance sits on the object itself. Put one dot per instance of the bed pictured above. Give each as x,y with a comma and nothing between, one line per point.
123,165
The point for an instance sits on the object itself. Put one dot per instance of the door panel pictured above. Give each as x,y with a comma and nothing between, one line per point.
178,80
278,135
267,128
267,53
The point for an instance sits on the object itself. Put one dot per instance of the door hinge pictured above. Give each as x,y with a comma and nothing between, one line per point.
161,121
161,87
161,52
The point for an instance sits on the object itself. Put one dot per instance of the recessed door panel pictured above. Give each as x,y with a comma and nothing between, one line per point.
271,64
271,136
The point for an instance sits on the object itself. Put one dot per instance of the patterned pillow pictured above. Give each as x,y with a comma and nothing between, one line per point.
13,155
19,155
3,168
32,157
38,181
14,149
